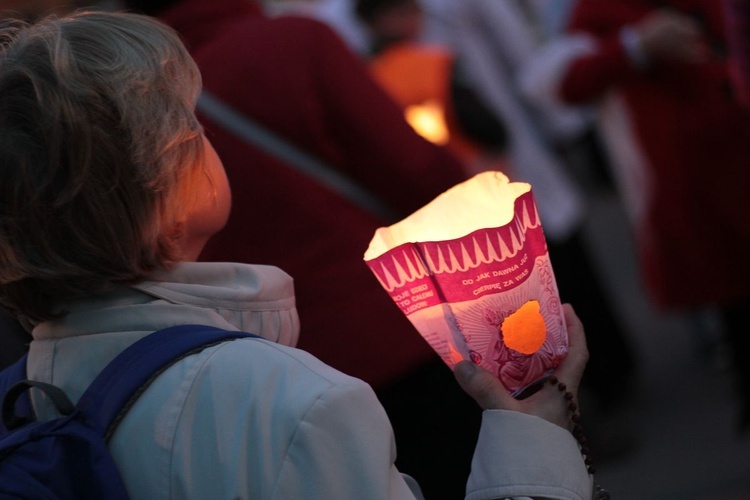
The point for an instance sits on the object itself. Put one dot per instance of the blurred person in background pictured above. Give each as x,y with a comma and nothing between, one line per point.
338,14
679,142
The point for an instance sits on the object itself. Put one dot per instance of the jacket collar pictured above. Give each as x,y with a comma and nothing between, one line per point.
254,298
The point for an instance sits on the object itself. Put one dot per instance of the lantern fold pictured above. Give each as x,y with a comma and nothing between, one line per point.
462,264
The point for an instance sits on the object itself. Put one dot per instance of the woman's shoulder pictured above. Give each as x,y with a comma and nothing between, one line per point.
253,365
245,402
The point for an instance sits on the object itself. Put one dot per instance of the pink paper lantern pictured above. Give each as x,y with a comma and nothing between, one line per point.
472,273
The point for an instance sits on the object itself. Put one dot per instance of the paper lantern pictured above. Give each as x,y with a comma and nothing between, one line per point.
472,273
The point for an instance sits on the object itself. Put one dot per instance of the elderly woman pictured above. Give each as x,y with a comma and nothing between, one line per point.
109,191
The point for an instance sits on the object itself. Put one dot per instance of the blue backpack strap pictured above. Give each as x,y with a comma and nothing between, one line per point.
8,377
133,369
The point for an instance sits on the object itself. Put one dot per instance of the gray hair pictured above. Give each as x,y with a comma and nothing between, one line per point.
97,130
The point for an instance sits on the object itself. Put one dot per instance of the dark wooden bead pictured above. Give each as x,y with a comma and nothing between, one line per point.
577,427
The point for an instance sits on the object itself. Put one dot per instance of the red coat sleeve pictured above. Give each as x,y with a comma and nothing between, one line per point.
591,75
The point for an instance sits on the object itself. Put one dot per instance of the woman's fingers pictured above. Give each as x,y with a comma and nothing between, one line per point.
571,369
549,403
484,387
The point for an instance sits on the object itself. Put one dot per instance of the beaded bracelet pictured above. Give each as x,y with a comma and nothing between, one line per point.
583,442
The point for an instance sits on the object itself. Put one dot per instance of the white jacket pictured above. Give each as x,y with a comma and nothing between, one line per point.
258,418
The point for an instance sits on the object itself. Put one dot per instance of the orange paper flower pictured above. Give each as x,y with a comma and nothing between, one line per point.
524,330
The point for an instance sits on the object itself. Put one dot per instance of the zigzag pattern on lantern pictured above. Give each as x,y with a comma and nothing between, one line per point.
416,266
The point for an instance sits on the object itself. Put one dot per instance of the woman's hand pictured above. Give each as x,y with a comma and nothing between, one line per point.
672,36
547,403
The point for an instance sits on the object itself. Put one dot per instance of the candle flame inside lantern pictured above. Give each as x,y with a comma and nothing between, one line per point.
471,271
524,330
486,201
427,120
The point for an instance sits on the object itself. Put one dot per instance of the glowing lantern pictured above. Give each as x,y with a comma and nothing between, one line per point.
472,273
427,119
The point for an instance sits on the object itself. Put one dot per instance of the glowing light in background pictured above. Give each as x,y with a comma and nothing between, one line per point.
428,120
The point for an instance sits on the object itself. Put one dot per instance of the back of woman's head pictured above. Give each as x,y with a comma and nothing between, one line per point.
96,132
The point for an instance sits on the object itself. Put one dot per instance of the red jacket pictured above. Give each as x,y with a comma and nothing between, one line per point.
695,138
297,77
737,14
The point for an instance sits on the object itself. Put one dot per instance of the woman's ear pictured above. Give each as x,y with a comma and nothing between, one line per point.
202,207
174,237
210,203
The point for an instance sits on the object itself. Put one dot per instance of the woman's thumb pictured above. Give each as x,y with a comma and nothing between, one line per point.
482,386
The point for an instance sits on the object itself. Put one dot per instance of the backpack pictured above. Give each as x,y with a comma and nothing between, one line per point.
67,457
